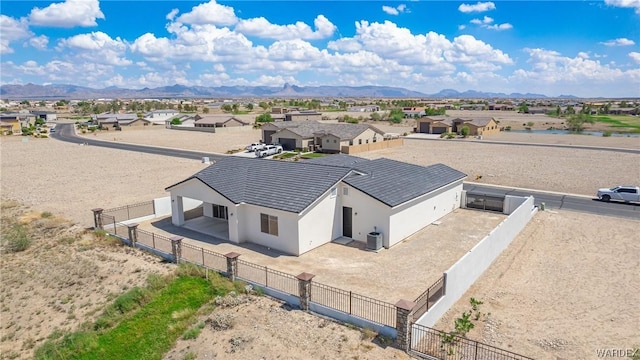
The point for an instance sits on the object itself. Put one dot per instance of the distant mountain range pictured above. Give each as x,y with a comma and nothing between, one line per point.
51,92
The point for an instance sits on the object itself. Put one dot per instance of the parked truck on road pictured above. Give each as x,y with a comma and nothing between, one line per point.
620,193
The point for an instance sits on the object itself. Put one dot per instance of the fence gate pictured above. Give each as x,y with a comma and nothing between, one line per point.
485,202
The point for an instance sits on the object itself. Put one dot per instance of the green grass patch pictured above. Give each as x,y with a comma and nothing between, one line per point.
620,121
143,323
313,155
286,155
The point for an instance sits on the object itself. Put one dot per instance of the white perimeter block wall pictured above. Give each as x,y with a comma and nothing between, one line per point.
468,269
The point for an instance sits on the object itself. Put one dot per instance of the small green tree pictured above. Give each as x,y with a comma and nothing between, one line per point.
464,131
375,116
176,121
250,106
576,123
205,110
227,108
396,116
266,117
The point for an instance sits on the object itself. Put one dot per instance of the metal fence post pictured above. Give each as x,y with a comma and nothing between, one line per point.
97,218
202,256
128,215
304,289
232,265
403,324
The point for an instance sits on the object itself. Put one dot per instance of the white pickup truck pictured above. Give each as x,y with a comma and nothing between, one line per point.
269,150
255,146
621,193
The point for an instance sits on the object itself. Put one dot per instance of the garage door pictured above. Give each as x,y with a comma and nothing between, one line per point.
424,127
266,136
288,144
439,130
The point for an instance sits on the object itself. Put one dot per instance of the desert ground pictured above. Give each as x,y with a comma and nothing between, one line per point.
566,274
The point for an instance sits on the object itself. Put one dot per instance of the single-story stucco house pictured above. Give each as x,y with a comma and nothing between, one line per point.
444,124
325,137
295,207
218,121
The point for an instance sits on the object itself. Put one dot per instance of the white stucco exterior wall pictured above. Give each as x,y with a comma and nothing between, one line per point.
414,215
367,213
321,222
249,229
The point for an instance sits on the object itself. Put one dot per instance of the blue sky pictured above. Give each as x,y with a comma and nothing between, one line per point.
583,48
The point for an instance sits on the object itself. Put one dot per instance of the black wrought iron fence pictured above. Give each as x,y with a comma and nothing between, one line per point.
428,298
436,344
132,211
354,304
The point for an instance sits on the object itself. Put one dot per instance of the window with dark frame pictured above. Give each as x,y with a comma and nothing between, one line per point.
220,212
269,224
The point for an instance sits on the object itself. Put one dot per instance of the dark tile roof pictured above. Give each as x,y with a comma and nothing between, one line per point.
293,186
393,182
283,185
308,129
337,160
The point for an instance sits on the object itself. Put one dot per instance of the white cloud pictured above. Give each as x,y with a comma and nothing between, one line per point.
635,56
390,10
478,7
261,27
172,14
487,23
345,44
12,30
577,75
618,42
98,47
39,42
431,50
625,4
462,27
67,14
402,8
209,13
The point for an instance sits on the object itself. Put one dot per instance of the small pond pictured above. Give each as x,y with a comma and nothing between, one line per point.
567,132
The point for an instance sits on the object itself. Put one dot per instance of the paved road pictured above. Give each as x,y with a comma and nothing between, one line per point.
65,132
555,201
581,147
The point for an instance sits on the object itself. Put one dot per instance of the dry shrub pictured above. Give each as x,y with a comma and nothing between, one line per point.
220,321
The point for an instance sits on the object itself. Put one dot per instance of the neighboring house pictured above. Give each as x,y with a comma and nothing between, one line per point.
306,204
45,115
443,124
10,122
318,136
365,108
107,120
413,112
302,115
158,117
185,121
218,121
138,122
501,107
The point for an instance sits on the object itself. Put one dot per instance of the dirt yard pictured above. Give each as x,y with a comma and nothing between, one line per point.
566,286
351,267
69,180
66,277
